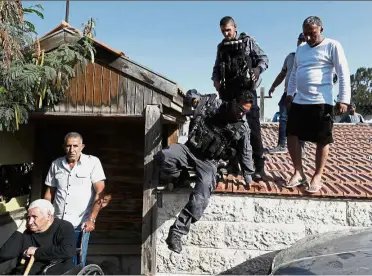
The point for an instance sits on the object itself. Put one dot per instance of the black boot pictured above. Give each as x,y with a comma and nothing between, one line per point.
174,241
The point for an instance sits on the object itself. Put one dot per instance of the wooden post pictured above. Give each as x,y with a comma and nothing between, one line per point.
262,104
153,141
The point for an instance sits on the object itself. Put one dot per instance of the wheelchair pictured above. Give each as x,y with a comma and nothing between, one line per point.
90,269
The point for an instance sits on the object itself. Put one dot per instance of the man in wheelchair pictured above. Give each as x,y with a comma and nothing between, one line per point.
44,237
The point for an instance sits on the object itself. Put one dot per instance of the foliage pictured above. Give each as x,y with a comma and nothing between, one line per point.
361,90
30,78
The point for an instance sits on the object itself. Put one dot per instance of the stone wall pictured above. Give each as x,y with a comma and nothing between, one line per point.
237,228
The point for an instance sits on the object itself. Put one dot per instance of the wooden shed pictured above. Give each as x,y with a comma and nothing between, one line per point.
125,113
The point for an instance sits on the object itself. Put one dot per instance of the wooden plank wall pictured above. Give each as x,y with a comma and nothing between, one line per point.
118,143
100,89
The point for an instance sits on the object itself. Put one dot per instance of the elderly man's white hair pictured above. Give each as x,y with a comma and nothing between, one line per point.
44,205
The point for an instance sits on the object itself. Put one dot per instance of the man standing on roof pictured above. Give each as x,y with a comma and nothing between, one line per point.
239,64
351,116
284,74
311,113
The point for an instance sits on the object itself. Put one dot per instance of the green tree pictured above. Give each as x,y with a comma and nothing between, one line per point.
30,78
361,90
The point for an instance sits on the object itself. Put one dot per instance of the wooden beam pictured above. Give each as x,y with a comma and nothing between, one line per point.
153,141
139,72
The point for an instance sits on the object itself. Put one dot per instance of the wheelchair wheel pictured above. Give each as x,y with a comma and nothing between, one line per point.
91,269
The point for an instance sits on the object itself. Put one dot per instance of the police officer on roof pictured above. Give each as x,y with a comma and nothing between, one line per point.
239,64
219,131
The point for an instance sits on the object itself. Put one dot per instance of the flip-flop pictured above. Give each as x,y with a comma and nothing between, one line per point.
313,189
297,183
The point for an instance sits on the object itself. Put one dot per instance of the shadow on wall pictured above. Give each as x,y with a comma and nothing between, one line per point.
260,265
9,222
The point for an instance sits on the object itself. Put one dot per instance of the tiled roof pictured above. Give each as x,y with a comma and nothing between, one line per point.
65,25
348,172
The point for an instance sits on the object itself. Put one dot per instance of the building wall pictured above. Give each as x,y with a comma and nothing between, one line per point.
236,228
18,147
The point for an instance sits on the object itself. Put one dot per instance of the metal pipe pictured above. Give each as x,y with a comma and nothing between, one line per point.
67,10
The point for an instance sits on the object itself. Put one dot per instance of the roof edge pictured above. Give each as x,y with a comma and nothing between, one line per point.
66,26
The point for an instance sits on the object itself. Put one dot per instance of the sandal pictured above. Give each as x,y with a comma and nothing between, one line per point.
295,184
313,189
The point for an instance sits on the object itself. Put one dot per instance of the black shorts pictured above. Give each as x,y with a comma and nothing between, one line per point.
311,122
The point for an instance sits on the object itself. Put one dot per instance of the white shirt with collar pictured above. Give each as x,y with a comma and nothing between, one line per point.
74,196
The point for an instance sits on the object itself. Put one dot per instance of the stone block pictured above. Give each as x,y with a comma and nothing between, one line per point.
300,211
170,262
359,214
198,261
220,207
172,205
202,234
262,236
313,229
229,208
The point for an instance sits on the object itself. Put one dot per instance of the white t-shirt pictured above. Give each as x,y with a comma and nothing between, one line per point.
312,74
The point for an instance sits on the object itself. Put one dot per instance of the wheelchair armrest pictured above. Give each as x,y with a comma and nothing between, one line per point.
52,263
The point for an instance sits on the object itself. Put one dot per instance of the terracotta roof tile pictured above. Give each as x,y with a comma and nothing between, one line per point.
348,172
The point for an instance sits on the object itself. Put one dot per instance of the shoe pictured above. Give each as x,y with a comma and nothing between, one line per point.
278,149
174,242
259,176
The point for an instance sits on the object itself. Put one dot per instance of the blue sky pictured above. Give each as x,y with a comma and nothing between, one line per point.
179,39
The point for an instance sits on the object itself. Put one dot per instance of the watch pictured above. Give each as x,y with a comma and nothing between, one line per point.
92,219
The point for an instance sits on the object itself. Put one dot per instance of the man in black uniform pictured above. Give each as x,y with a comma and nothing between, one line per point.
218,131
239,64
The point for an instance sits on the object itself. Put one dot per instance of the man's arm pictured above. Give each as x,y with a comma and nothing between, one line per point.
244,154
216,74
98,199
65,248
281,76
343,73
98,179
50,182
292,82
279,79
261,57
49,193
361,118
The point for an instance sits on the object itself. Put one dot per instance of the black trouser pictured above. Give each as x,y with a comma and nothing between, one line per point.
253,118
171,160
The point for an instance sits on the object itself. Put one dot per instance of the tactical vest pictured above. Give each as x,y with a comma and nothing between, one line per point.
215,141
235,62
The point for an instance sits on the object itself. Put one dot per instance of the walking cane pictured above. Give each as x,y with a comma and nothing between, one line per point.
29,265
